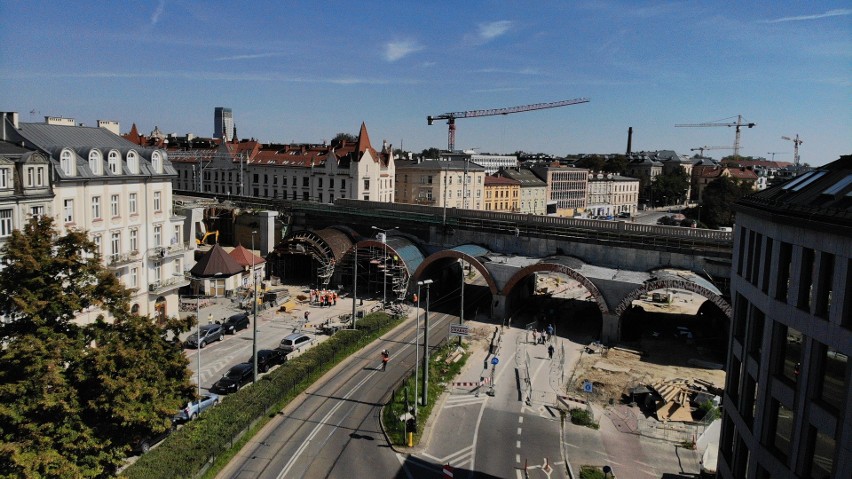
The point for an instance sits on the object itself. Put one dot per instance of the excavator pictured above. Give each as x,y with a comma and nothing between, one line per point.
203,239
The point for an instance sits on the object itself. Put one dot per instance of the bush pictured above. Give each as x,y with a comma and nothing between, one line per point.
581,417
591,472
711,412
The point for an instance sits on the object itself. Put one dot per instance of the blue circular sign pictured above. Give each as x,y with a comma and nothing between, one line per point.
494,360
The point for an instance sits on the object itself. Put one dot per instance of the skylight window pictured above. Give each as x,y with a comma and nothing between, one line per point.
839,186
797,180
808,181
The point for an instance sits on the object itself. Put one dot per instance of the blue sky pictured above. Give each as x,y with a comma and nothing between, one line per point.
304,71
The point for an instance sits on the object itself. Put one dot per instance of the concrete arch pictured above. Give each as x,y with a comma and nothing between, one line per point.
557,268
672,284
448,253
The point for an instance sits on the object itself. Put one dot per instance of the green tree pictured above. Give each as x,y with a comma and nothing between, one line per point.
717,201
73,398
341,137
670,188
431,153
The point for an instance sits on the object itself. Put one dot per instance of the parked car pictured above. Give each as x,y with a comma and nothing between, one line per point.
236,377
266,358
195,407
209,333
295,342
236,323
143,445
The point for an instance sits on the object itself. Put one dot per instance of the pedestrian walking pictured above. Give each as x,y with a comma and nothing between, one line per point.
535,336
385,359
549,332
550,351
307,313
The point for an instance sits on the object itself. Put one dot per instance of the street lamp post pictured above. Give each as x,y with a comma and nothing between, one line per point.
417,346
428,283
461,312
254,321
198,341
384,263
355,287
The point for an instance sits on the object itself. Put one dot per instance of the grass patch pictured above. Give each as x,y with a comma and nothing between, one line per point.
440,373
215,438
581,417
591,472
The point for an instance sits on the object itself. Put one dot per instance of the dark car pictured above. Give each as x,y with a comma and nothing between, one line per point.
208,334
143,445
236,323
236,377
266,358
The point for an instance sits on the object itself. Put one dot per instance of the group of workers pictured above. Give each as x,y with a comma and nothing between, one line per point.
323,297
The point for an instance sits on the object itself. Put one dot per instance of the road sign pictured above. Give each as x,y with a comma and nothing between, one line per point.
587,386
459,330
494,360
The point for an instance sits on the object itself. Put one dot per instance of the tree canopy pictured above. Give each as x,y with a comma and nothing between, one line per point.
341,137
75,397
717,201
670,188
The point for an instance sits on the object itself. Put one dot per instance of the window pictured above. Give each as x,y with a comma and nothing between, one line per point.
96,207
4,178
133,278
158,235
97,240
131,202
821,449
114,162
66,162
157,161
68,205
367,184
330,183
5,223
134,239
789,352
158,266
113,205
831,381
319,184
115,244
157,202
306,182
37,211
342,184
35,176
782,429
133,162
95,162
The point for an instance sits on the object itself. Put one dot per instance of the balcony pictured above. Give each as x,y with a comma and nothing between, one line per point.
176,249
175,282
116,261
424,200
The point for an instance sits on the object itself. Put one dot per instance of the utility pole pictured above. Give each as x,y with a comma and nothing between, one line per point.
254,321
428,283
461,312
355,287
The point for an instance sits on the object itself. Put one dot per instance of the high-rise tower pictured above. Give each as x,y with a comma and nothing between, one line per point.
223,123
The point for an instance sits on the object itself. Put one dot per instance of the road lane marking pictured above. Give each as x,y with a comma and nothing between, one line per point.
520,419
317,428
518,444
519,431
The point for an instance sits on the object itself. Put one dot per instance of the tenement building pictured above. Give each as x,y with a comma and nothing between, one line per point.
787,407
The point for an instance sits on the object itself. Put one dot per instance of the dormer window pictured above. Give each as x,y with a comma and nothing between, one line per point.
66,162
133,162
114,162
96,162
157,162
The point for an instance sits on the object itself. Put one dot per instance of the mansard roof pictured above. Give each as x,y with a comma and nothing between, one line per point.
48,137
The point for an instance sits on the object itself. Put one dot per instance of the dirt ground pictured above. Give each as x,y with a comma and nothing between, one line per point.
614,372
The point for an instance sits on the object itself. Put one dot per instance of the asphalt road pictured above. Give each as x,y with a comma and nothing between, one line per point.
333,429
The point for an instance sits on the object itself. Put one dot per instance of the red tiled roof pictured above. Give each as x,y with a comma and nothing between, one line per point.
245,257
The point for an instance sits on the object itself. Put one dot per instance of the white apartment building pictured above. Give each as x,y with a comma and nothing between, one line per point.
611,194
444,183
24,187
301,172
121,195
491,163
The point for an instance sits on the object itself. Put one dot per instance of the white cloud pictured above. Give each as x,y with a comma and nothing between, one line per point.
249,56
158,12
492,30
831,13
400,49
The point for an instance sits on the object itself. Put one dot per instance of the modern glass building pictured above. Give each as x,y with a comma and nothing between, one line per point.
787,408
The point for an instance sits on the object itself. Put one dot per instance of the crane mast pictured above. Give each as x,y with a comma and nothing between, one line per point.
452,116
739,123
796,142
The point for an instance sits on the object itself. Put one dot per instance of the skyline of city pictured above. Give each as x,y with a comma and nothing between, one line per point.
784,66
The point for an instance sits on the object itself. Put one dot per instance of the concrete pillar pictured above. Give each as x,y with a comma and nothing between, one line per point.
266,231
610,330
498,308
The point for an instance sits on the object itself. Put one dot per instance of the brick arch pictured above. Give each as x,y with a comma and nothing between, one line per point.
449,253
557,268
672,284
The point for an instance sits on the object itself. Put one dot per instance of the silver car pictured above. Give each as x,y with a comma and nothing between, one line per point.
208,334
195,407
